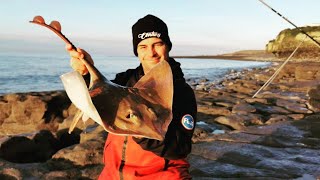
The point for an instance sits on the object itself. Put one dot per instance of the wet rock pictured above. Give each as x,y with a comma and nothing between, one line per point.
256,100
288,95
36,148
267,109
296,116
213,110
29,112
274,118
284,150
306,73
299,86
204,130
293,106
224,104
201,87
241,89
240,96
19,150
242,146
314,98
243,108
201,131
314,93
240,121
88,152
215,92
226,99
10,174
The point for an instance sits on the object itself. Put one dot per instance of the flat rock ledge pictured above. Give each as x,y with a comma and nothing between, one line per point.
275,135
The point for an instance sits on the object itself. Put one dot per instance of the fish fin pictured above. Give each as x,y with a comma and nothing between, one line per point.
77,92
95,74
85,117
75,120
158,90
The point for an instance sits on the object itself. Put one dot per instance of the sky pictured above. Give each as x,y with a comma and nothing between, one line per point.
196,27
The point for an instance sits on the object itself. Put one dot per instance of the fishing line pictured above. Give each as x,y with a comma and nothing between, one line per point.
301,30
266,84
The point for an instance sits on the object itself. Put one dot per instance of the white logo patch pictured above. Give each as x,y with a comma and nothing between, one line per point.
187,122
149,34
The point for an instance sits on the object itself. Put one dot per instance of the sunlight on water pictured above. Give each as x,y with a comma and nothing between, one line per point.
25,73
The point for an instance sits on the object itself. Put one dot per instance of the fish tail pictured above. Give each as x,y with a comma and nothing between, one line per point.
75,120
94,73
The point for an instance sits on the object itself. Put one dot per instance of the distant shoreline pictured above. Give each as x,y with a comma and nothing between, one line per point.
245,55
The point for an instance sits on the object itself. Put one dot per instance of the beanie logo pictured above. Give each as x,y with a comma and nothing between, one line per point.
149,34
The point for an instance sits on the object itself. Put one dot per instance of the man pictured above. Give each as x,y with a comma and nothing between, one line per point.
128,157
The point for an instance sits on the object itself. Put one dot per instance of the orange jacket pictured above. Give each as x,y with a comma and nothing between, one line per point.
125,159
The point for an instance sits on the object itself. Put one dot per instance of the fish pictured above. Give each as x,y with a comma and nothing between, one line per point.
144,110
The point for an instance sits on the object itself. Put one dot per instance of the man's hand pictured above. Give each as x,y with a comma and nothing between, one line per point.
75,61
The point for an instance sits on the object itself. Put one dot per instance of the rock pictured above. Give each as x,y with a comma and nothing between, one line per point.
288,95
215,92
314,98
242,146
19,150
240,89
299,86
296,116
213,110
201,132
239,121
277,118
284,150
204,130
306,73
243,108
224,104
29,112
226,99
37,148
201,87
267,109
10,174
293,106
255,100
88,152
314,93
240,96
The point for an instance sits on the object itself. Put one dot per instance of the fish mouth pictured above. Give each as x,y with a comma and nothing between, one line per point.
158,129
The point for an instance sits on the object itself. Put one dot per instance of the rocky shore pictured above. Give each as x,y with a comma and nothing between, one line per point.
275,135
245,55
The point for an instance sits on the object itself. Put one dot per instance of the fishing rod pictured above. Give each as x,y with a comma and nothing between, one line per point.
301,30
266,84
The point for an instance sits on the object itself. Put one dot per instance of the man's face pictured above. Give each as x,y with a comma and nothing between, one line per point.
151,51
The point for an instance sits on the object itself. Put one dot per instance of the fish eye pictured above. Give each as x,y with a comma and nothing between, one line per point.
130,115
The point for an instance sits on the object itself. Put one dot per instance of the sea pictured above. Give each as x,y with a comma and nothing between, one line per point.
41,72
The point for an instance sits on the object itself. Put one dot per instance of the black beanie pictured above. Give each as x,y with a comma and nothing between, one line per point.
147,27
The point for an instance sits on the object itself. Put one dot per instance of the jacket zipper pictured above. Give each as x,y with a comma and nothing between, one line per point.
123,158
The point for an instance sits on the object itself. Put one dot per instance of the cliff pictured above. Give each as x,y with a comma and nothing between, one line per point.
288,39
